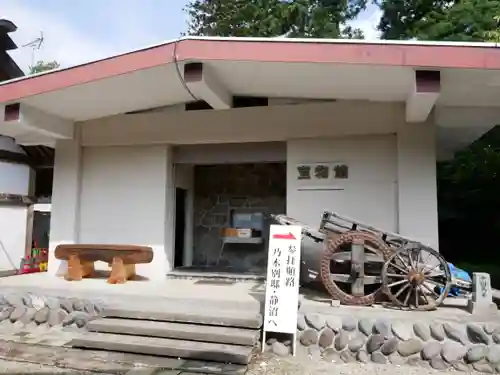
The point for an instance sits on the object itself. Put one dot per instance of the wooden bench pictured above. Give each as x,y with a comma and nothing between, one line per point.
121,258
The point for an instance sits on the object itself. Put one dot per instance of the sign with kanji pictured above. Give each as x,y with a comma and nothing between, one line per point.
282,285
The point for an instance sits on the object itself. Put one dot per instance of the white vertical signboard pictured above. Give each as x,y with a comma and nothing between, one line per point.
282,283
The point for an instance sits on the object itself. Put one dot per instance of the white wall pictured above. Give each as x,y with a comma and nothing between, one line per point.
417,193
391,184
369,194
15,228
14,222
254,124
125,194
14,225
252,152
124,201
15,178
65,206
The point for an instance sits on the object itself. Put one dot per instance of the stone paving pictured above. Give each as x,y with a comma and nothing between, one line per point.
244,294
109,362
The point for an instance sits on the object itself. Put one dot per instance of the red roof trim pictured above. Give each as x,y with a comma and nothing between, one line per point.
86,73
422,56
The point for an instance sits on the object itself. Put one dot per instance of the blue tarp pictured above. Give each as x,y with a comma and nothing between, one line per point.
460,274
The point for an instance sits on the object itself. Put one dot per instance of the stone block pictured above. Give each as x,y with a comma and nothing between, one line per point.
481,302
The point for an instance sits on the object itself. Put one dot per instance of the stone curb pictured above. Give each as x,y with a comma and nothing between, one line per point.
34,310
441,346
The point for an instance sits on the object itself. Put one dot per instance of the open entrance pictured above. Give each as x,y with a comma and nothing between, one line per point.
231,211
180,226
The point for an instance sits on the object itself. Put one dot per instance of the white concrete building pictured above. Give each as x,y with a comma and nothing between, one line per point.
140,134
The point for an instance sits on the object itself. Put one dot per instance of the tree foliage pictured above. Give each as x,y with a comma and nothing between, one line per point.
439,20
468,185
43,66
469,219
272,18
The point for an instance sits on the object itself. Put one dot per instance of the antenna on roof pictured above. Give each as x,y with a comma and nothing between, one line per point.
35,45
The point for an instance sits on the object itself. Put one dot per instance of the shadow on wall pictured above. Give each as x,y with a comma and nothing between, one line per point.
219,189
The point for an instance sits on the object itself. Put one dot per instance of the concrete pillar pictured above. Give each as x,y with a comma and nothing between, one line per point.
16,214
169,244
64,222
417,187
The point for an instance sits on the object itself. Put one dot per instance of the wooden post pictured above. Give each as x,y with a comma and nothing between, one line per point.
358,267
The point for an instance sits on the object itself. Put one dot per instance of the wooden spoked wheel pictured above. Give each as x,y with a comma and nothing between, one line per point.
351,267
416,278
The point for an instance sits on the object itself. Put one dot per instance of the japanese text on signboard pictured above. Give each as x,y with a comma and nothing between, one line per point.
282,281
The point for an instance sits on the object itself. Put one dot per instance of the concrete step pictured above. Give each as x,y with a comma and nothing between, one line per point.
165,347
179,331
189,314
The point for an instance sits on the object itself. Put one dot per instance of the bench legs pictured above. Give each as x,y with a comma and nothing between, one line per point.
78,269
120,272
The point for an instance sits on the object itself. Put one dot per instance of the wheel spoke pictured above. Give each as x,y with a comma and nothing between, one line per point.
424,263
402,261
423,293
345,256
426,272
358,260
397,275
418,260
397,283
434,282
343,278
416,297
408,295
403,288
410,259
399,268
430,290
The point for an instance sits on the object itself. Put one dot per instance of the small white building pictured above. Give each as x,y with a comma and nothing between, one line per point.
161,146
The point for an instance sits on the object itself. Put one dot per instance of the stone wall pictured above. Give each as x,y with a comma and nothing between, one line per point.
30,311
220,188
440,345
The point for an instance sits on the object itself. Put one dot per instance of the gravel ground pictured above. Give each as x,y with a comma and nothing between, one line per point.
13,367
264,365
270,365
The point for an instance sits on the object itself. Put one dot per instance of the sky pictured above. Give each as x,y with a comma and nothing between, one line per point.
80,31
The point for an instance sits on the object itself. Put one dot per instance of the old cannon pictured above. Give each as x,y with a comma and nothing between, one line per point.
359,264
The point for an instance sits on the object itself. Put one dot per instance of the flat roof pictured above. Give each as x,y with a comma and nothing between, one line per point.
430,55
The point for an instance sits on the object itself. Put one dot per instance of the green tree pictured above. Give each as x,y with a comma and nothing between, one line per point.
43,66
494,34
271,18
440,20
468,185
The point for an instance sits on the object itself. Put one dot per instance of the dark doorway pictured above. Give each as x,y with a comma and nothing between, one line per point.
180,225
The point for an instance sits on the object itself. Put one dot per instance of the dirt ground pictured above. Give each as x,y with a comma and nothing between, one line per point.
262,365
14,367
272,365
